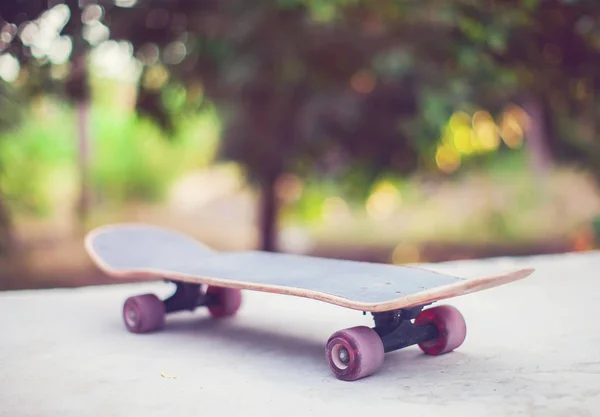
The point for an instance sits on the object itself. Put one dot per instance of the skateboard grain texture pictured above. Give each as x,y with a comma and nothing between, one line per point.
143,250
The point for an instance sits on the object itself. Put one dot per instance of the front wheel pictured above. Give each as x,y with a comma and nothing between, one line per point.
354,353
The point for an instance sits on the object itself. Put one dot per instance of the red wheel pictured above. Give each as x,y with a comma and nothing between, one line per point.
451,327
354,353
227,301
143,313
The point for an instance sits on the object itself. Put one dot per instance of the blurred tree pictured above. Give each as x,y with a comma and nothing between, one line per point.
43,36
545,56
322,89
9,119
347,88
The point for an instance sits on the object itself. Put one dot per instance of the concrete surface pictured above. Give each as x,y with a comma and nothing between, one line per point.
532,349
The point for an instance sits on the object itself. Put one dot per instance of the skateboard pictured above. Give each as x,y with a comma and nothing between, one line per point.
396,296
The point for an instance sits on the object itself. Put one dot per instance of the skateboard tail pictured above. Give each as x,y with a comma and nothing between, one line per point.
116,228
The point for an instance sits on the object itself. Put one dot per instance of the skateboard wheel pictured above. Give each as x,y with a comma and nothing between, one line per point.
143,313
227,301
451,327
354,353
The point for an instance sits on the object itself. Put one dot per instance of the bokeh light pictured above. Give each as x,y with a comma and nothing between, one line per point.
383,201
335,208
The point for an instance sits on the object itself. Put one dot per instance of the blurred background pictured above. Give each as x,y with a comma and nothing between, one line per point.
387,131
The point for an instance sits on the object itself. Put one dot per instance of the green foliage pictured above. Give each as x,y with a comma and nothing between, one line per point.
347,89
30,154
10,105
128,158
437,57
132,160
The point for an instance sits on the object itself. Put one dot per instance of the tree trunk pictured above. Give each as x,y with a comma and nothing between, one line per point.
539,134
83,207
6,231
269,209
78,90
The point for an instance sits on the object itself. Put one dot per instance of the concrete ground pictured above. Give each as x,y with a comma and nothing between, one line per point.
532,349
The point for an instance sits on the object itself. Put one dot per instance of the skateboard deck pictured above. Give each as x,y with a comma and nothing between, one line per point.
394,295
150,252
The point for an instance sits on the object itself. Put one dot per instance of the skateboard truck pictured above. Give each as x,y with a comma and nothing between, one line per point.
397,331
358,352
146,313
188,297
